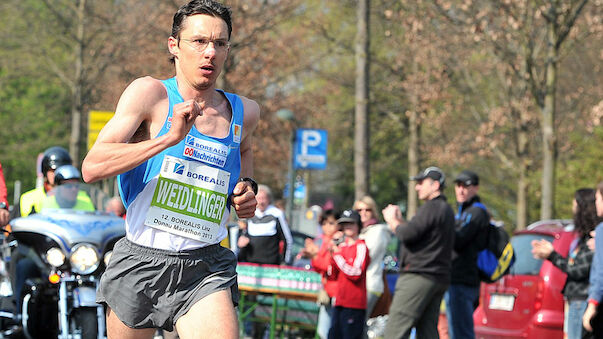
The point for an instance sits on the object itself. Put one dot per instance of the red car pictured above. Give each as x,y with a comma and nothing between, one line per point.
527,302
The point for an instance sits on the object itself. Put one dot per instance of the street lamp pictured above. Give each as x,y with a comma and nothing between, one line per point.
288,115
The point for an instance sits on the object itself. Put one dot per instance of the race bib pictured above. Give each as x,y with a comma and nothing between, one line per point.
189,199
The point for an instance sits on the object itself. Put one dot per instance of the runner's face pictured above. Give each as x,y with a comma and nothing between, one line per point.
200,68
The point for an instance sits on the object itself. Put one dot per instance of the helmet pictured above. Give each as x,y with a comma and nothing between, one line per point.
64,173
54,157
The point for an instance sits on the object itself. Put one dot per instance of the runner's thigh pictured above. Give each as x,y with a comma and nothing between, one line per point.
214,316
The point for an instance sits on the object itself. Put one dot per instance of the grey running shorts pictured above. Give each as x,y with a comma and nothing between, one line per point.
152,288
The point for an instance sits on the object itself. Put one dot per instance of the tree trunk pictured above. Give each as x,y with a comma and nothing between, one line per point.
522,198
523,162
549,144
75,140
413,161
361,135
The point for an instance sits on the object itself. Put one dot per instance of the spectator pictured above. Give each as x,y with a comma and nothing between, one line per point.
578,262
376,236
3,200
426,248
265,231
472,222
349,261
593,316
318,250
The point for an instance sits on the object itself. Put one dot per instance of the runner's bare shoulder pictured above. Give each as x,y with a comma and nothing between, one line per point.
144,100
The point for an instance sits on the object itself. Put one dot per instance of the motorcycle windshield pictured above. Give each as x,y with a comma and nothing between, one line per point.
72,213
74,196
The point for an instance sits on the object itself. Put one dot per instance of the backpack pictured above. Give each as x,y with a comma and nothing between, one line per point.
498,256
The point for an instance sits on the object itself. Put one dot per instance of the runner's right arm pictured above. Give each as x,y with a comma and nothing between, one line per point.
126,142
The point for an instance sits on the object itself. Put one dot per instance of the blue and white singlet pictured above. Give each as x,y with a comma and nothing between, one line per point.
178,199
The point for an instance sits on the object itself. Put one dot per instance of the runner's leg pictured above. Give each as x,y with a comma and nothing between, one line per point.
211,317
118,330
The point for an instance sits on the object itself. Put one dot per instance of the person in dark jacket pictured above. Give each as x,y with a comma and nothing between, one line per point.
470,237
426,249
578,262
260,243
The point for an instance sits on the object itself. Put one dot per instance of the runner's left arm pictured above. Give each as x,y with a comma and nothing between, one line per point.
243,197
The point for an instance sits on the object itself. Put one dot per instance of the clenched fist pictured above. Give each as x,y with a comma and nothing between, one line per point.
183,118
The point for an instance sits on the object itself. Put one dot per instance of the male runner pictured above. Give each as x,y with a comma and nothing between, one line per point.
182,150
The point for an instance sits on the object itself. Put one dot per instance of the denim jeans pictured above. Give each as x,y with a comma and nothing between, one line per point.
459,310
324,321
572,324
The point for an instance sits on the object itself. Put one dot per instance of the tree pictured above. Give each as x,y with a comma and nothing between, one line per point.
527,36
361,126
78,42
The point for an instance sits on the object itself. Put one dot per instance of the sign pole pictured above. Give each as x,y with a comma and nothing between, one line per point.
290,201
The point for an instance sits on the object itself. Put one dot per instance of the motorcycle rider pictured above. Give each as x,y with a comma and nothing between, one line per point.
67,193
22,266
30,201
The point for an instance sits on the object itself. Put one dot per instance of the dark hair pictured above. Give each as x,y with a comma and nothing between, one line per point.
600,187
208,7
328,213
585,218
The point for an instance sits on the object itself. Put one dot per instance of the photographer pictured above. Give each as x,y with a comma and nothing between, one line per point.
350,258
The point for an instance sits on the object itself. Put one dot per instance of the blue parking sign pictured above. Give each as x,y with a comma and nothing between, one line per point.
311,149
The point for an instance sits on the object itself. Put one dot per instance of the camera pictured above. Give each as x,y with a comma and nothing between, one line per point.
338,241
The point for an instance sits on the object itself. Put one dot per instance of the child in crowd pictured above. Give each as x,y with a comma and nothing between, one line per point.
319,250
350,259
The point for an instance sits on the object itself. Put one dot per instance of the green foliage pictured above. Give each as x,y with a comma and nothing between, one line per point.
33,116
582,170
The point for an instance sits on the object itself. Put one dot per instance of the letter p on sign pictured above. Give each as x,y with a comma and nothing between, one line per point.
311,149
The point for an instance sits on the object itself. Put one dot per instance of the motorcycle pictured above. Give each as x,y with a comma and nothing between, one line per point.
70,242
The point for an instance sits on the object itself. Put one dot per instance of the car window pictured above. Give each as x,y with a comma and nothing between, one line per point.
525,264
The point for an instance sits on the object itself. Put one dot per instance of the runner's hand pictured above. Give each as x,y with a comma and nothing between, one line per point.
183,118
243,200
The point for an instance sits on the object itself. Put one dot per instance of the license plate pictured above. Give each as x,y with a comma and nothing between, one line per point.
85,297
503,302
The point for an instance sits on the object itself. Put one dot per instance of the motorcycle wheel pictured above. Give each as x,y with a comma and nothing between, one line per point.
86,321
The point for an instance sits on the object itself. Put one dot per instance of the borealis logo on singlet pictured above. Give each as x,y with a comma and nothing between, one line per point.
204,150
179,168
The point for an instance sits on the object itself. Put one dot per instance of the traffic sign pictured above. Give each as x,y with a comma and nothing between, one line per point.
310,149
